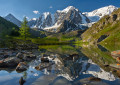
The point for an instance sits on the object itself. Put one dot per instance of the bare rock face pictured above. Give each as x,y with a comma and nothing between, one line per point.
45,20
22,66
114,17
70,19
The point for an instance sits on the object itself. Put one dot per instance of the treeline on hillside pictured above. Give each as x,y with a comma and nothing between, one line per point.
10,29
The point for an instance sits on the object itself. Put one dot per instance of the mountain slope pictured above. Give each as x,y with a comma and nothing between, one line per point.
6,26
107,30
97,14
12,19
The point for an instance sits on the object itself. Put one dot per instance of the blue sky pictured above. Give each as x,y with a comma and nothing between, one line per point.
20,8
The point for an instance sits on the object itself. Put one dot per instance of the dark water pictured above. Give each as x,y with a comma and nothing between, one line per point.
65,70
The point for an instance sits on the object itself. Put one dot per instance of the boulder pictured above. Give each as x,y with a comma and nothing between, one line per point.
26,56
72,57
9,62
44,59
22,66
20,55
43,66
29,57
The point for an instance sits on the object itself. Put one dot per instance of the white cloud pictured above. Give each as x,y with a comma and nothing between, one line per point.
50,7
36,12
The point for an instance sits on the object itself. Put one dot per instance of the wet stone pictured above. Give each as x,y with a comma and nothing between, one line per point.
9,62
22,66
43,66
44,59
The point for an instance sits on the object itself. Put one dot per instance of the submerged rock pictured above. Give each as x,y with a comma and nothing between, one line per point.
90,81
94,79
22,66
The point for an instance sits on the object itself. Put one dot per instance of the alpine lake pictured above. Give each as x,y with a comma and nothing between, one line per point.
59,65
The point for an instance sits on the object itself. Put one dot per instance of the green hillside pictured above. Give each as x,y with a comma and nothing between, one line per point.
105,31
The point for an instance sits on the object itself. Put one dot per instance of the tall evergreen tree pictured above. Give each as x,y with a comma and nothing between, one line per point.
24,30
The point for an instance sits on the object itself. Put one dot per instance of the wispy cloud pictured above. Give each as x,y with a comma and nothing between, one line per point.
36,12
50,7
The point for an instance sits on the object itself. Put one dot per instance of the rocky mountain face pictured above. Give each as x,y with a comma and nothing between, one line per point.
70,19
62,21
106,30
45,20
12,19
32,22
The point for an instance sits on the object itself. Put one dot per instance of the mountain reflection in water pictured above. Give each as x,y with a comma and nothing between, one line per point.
68,65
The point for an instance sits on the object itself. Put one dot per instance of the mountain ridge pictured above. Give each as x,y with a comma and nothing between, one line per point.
68,19
13,19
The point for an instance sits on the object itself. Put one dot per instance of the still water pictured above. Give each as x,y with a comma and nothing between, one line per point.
66,70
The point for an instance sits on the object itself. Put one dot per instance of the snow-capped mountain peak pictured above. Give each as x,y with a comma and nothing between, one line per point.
66,10
45,14
95,15
103,11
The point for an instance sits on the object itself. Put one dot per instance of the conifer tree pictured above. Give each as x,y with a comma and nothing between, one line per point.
24,30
